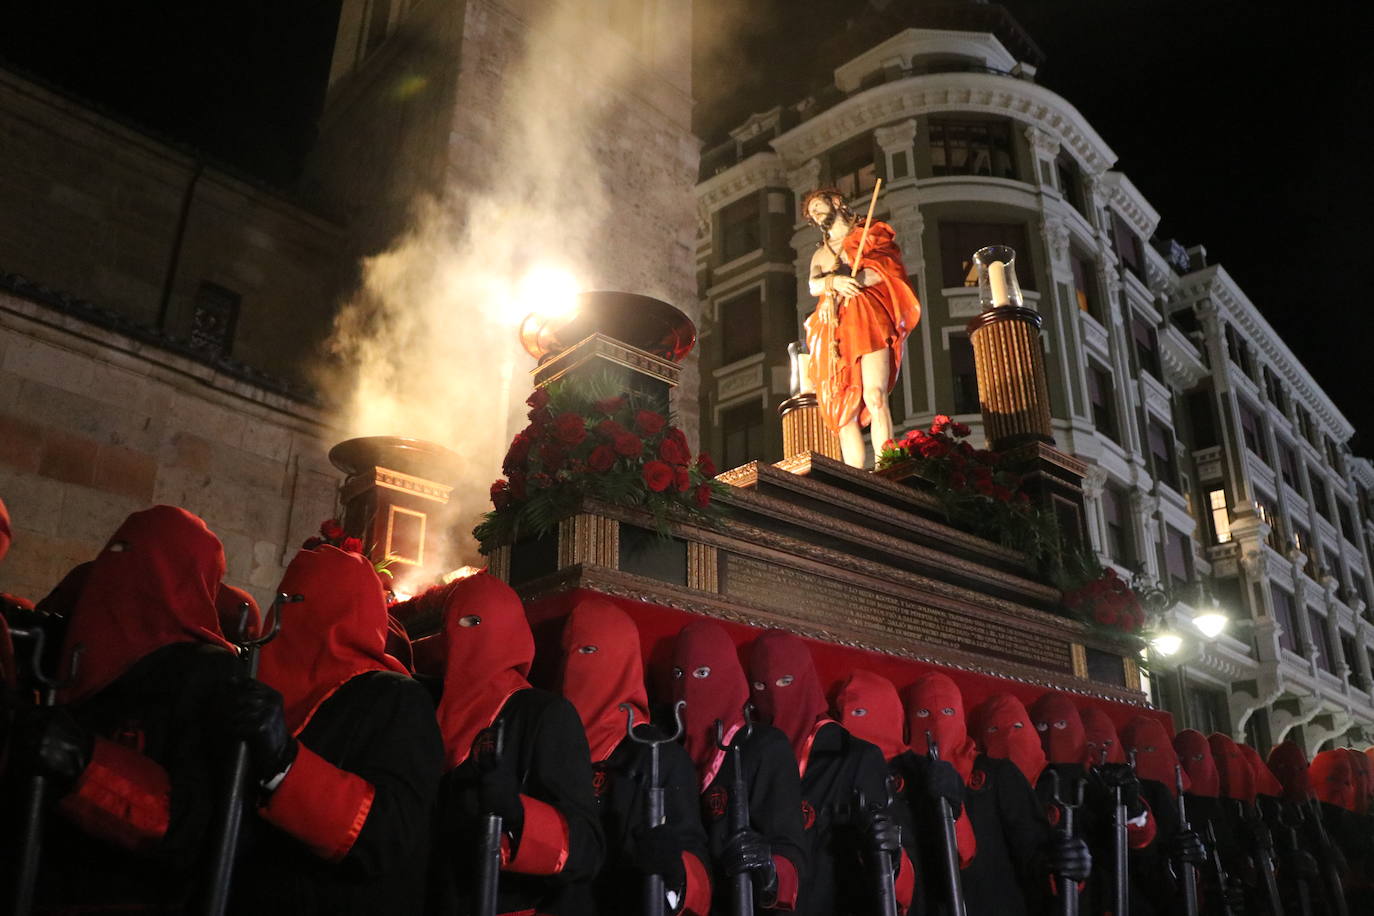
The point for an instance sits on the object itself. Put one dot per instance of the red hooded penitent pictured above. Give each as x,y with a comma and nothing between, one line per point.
154,584
787,691
1155,757
1060,728
1288,762
1101,735
1196,756
1333,778
1266,783
935,706
1237,779
335,633
1003,730
707,674
602,668
867,704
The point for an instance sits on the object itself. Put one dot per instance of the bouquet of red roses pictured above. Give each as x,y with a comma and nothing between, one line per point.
1108,601
619,448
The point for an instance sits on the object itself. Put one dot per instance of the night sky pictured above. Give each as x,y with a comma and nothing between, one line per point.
1247,125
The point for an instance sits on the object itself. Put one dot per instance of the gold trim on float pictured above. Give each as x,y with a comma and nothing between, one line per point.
589,539
1079,652
703,567
1131,668
409,483
498,563
390,528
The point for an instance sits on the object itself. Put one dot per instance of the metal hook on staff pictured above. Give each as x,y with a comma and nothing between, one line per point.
654,898
743,890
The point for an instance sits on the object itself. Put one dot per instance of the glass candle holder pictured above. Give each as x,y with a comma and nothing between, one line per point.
997,284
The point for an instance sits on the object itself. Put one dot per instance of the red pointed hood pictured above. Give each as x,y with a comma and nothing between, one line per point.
869,707
707,674
1266,783
1237,779
1288,762
154,584
335,633
934,704
1003,729
1196,756
602,668
1155,757
488,649
786,690
1060,728
1364,776
1333,778
1101,735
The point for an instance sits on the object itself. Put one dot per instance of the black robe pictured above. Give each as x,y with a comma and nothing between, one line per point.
837,880
159,710
620,783
547,749
775,808
380,726
1212,818
1009,875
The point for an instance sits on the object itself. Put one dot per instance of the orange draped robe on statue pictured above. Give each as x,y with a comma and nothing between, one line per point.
880,316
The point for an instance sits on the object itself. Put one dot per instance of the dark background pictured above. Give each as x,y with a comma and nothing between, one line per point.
1246,124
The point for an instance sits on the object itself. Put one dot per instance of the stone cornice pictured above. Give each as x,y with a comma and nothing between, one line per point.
1128,200
758,171
944,92
1215,283
904,47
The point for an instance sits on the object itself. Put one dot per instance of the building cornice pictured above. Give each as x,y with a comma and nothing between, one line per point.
943,92
909,44
761,170
1126,197
1215,283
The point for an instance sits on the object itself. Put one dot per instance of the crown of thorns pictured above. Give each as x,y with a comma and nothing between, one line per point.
833,196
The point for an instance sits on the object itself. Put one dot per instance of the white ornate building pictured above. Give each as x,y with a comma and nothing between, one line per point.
1215,458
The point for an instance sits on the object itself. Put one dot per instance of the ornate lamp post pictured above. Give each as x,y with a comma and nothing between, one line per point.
1159,601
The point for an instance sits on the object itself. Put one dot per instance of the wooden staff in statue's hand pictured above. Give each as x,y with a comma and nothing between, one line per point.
848,286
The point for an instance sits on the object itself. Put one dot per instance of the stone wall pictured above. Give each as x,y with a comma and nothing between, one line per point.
94,426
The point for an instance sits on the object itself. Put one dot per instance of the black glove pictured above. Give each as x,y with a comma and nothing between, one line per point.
881,831
748,851
1069,857
656,851
1114,775
498,792
944,781
253,713
54,744
1234,894
1264,838
1187,848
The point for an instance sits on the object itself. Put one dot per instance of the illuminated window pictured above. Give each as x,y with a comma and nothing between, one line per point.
1221,517
971,148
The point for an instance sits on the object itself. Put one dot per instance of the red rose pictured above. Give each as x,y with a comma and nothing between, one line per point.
629,445
517,486
610,429
1104,615
1001,494
331,530
552,456
601,458
703,495
983,485
500,494
658,476
705,465
609,406
934,448
673,451
538,399
681,479
352,545
569,428
649,423
960,429
940,425
518,454
541,480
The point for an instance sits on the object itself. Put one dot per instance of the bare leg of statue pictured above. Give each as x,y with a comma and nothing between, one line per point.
874,369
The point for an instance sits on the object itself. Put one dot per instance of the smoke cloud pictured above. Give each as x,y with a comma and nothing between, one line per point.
428,346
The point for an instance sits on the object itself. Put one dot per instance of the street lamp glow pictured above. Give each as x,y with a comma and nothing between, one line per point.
1210,624
1167,644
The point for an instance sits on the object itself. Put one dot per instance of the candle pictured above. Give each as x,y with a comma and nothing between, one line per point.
804,382
997,279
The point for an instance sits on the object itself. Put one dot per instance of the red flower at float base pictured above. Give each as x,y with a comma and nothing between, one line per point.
658,476
673,451
552,456
705,465
629,445
500,494
609,406
960,429
601,458
702,496
941,423
610,429
331,530
569,428
934,448
517,486
540,480
681,479
518,453
538,399
352,545
649,423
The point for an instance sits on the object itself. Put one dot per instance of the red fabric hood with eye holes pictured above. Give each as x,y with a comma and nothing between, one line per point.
720,694
1003,729
1100,732
483,664
867,704
1155,757
1060,728
785,689
1266,783
1333,778
1288,762
1364,776
1237,779
1196,756
154,584
602,668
